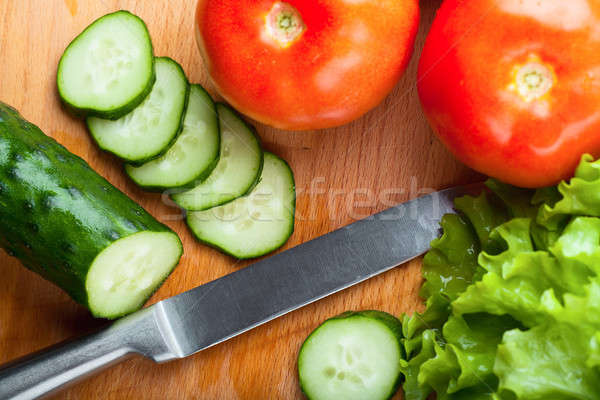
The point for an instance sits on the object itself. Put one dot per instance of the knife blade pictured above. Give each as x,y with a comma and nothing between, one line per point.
219,310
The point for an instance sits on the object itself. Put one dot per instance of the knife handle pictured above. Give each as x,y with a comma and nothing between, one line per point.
52,369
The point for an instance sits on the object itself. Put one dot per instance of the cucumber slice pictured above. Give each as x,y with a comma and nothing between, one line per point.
237,171
354,356
68,224
107,70
150,129
127,272
253,225
194,154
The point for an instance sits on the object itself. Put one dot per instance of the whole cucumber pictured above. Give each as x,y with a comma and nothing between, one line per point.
71,226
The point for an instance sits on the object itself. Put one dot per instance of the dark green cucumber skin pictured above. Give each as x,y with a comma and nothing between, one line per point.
256,255
179,129
197,179
391,322
57,213
115,113
260,167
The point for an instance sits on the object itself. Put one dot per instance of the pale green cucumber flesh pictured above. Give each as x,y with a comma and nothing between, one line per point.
355,356
108,69
194,154
256,224
150,129
237,170
128,271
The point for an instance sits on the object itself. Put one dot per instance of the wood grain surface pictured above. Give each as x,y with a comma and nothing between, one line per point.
342,174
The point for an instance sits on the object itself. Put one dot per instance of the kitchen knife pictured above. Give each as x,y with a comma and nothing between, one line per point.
214,312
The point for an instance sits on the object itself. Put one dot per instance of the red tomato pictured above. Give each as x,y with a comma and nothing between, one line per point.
512,87
305,64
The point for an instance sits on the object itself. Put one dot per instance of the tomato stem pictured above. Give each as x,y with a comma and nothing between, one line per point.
284,24
534,79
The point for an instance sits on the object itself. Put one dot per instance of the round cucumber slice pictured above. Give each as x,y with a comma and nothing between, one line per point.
194,154
354,356
253,225
150,129
107,70
236,172
126,273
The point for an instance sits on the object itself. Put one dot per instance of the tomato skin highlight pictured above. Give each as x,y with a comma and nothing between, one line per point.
513,87
350,56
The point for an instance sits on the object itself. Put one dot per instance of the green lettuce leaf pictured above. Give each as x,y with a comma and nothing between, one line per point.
581,313
515,278
448,268
512,294
451,265
465,360
483,213
578,251
434,317
421,332
594,357
542,236
413,389
546,362
518,201
580,196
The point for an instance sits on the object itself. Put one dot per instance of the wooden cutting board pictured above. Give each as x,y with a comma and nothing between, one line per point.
390,155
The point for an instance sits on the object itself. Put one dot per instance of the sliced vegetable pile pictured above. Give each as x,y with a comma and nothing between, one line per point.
173,137
68,224
512,289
